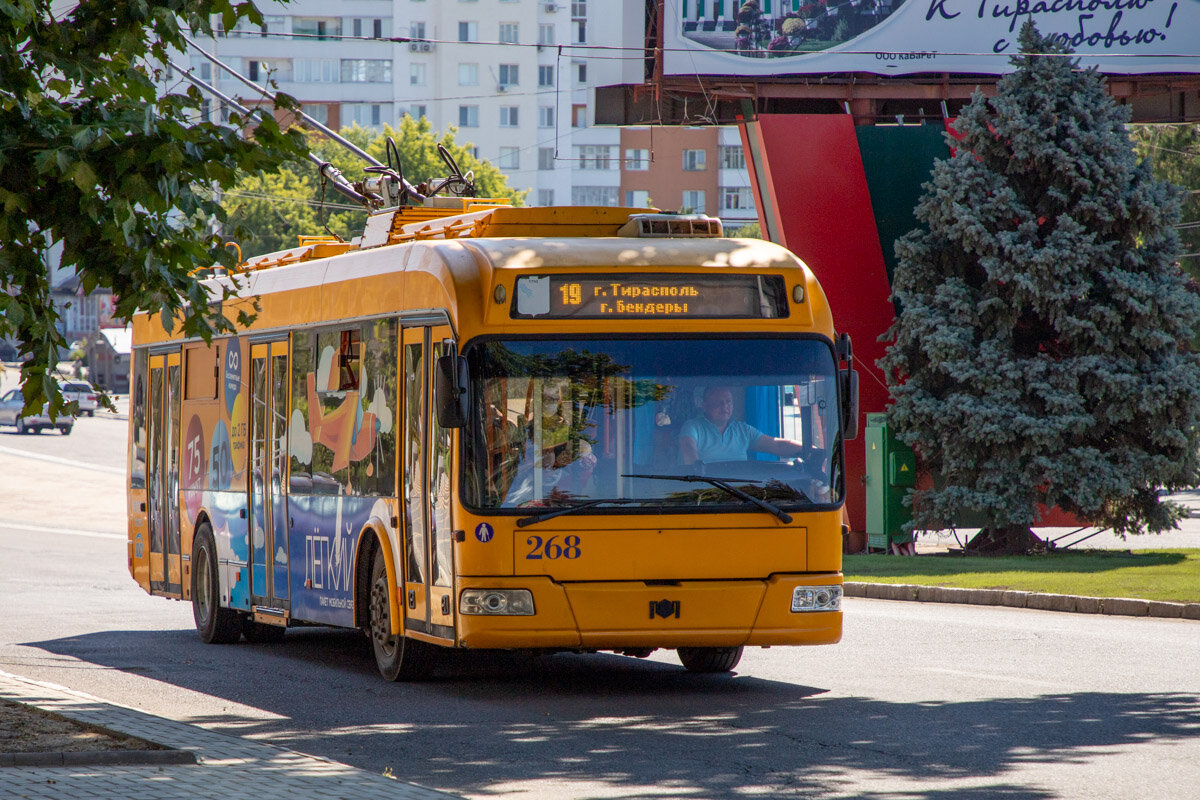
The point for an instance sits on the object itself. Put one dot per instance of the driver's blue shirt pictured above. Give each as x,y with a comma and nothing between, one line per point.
712,445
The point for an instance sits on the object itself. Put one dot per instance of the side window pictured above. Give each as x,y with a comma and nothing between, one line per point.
299,432
342,430
439,489
137,413
414,435
372,469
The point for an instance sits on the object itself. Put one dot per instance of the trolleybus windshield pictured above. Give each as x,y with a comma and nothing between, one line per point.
623,423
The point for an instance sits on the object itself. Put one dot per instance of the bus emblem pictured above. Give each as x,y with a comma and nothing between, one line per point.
664,608
484,532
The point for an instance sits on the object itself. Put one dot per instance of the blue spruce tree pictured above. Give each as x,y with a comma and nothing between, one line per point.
1043,353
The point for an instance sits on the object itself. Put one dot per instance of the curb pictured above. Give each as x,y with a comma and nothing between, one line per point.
1117,606
89,758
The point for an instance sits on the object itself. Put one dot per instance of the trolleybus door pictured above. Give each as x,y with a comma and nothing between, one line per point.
269,523
429,568
162,482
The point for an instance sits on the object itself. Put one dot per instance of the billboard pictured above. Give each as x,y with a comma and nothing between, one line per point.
904,37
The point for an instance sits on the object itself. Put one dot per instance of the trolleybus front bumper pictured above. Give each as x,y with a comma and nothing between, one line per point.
613,615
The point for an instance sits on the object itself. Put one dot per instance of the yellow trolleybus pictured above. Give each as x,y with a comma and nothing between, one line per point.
562,429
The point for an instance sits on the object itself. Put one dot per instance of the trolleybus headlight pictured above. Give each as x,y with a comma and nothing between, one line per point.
817,598
511,602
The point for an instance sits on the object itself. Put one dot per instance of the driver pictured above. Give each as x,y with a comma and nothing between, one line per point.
717,436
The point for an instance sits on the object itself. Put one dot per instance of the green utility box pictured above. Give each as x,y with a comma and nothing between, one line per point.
891,472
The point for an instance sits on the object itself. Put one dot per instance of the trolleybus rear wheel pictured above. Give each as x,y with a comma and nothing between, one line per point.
397,657
710,659
215,625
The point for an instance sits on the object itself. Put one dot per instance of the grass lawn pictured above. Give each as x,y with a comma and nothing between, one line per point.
1172,575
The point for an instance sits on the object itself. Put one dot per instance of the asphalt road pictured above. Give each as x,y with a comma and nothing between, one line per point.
919,701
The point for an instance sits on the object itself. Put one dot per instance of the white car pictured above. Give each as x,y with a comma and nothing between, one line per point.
11,405
82,393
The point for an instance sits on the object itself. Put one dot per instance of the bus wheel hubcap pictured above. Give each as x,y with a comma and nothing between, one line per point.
381,629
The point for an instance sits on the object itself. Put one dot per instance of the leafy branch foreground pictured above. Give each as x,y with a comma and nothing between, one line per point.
1169,575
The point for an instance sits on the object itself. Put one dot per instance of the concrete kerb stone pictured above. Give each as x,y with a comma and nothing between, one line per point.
1119,606
95,758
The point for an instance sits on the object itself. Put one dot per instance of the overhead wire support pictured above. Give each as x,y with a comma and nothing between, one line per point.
329,171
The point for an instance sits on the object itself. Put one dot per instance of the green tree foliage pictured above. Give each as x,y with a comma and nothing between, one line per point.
1041,354
273,208
95,158
1174,150
750,230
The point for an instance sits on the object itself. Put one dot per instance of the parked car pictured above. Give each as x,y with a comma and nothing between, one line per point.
11,405
83,393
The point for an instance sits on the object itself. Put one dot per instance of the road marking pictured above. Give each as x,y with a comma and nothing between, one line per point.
24,526
12,451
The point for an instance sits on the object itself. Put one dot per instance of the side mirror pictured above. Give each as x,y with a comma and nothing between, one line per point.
450,391
850,403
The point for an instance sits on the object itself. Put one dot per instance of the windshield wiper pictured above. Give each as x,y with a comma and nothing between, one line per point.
558,512
722,483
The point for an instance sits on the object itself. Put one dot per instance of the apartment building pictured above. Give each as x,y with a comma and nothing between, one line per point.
514,76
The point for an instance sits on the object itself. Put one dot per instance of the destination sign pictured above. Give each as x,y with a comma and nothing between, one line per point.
650,296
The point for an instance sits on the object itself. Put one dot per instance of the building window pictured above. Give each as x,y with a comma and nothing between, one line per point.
318,111
368,115
416,30
580,26
545,116
693,201
732,157
418,112
416,74
509,32
578,9
510,158
581,72
377,28
593,195
637,160
509,116
545,75
315,70
356,27
273,24
545,34
545,158
468,31
468,74
638,198
319,27
509,75
594,156
275,70
737,198
579,115
366,70
468,116
693,160
545,197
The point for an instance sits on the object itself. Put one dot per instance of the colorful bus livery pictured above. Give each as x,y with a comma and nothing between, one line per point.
483,427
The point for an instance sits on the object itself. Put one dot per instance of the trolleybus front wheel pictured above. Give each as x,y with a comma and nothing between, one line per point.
215,625
397,657
710,659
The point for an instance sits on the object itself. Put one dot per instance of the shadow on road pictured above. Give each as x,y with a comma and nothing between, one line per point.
492,723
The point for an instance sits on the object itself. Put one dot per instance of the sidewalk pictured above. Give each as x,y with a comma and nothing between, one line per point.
226,766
